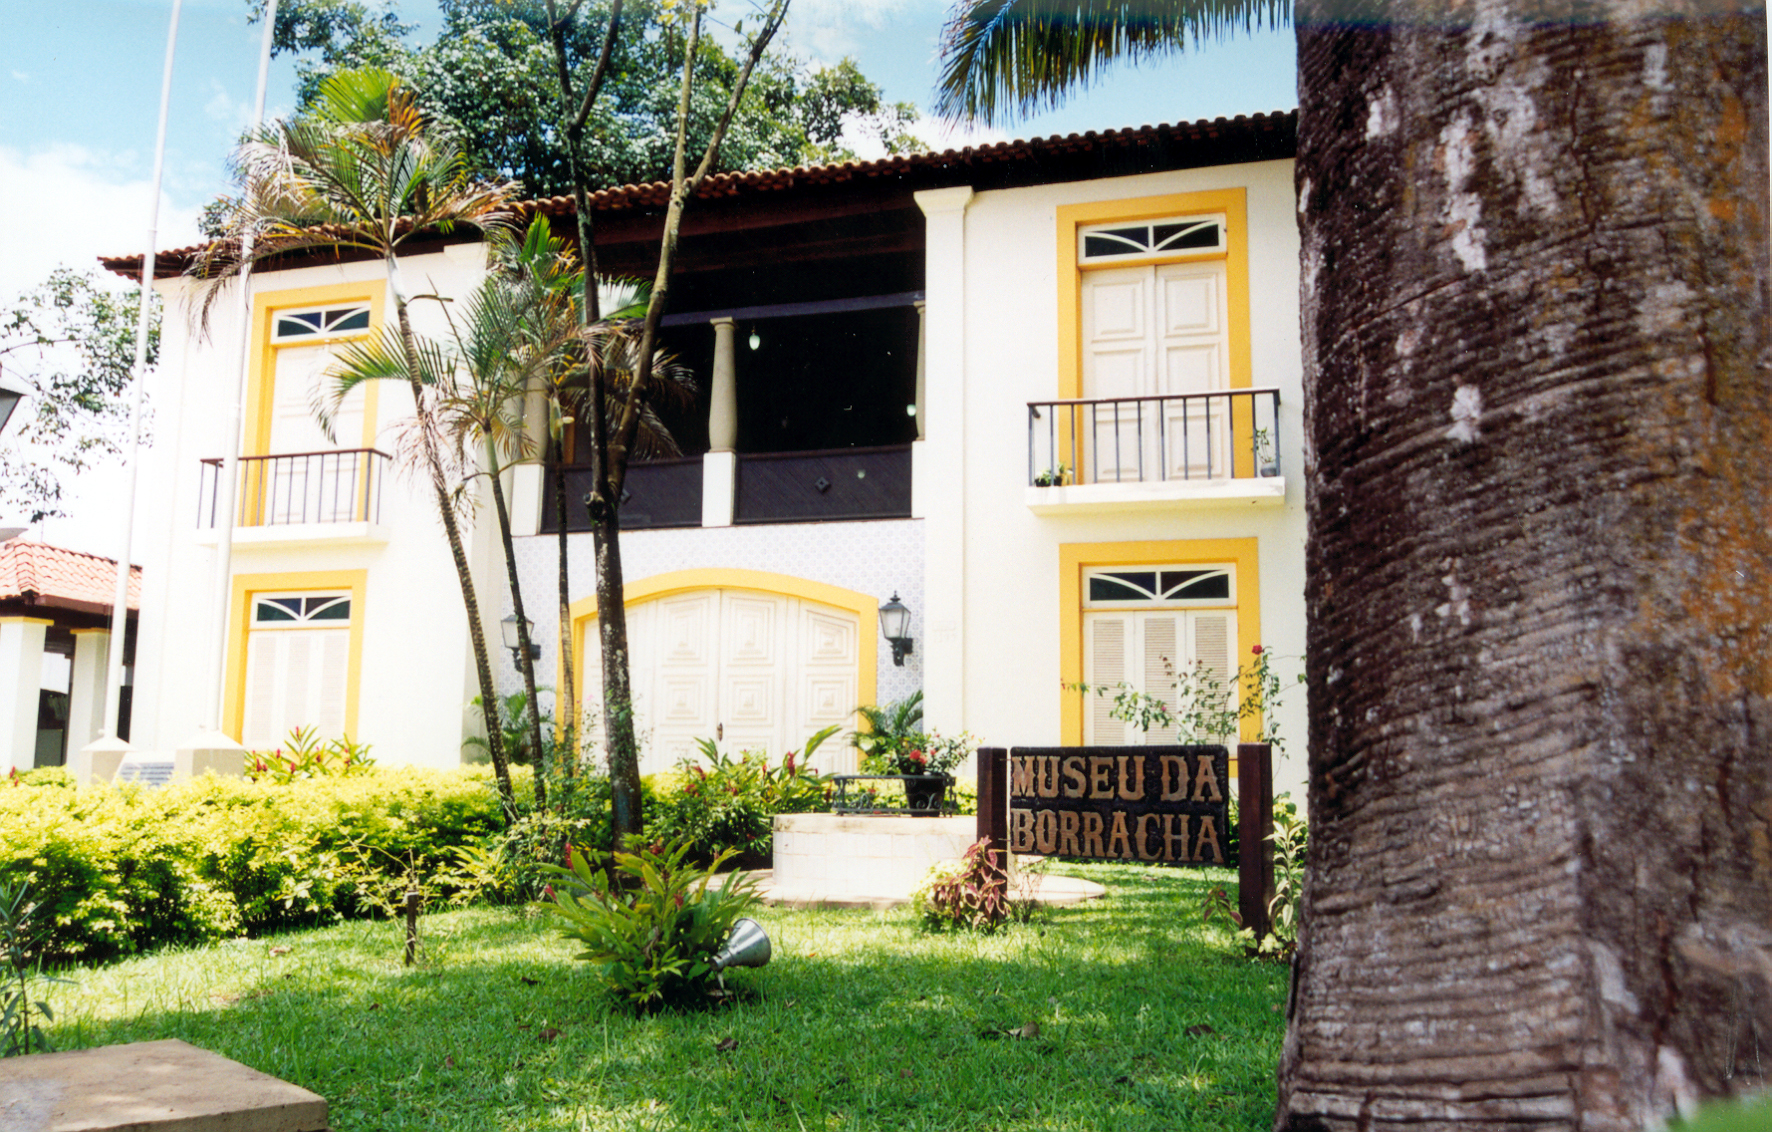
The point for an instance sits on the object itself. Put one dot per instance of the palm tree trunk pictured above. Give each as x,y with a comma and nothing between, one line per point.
1535,322
501,768
525,663
567,700
619,739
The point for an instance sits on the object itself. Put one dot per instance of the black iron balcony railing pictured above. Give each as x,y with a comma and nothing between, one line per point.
658,494
824,486
340,486
1230,434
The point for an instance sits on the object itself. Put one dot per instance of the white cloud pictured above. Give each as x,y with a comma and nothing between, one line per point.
21,76
76,204
222,107
831,29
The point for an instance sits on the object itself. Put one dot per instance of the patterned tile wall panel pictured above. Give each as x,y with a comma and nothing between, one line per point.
873,558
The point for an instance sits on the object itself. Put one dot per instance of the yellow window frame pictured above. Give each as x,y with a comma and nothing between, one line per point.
1075,558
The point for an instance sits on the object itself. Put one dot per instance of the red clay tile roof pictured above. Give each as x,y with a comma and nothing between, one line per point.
953,166
62,579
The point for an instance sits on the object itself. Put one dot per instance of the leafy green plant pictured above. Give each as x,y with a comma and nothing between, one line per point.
22,1017
306,755
1201,706
654,936
513,717
1290,837
972,894
729,803
924,753
1056,476
890,730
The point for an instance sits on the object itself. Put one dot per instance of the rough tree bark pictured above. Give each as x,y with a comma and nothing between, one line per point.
1535,275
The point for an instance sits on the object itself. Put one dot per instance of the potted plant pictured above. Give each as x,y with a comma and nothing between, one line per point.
1056,476
1266,464
923,761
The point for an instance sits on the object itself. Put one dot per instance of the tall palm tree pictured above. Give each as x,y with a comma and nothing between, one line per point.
363,171
517,331
1003,59
1536,336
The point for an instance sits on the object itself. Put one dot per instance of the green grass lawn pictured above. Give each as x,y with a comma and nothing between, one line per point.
1146,1019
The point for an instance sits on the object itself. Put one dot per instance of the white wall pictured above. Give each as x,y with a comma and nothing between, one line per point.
1008,573
417,669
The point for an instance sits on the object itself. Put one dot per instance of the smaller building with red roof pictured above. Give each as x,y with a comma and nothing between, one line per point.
55,636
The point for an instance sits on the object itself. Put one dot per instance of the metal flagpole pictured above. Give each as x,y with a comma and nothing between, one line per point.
229,484
120,595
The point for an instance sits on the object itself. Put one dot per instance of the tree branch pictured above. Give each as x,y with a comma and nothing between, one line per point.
682,189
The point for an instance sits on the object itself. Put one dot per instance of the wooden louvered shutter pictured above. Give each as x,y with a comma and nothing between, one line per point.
1162,660
1105,664
295,678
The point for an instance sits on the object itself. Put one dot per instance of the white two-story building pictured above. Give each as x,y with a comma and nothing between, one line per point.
1047,393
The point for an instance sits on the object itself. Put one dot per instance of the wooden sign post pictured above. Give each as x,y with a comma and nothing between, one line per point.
1160,805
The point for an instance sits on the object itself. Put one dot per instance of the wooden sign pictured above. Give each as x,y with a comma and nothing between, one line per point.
1154,804
1158,805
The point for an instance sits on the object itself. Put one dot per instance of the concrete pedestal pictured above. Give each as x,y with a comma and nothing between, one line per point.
98,760
166,1086
864,859
208,752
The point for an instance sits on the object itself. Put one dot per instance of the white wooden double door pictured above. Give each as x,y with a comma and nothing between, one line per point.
751,670
1155,331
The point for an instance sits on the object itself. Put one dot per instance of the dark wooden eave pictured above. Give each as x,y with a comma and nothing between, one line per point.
740,219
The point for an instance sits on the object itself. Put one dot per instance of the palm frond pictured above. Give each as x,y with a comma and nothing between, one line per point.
1004,58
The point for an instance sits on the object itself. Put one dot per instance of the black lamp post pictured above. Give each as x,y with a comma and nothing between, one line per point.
895,624
514,642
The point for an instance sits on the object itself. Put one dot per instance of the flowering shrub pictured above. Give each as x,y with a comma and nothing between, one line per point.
119,868
1199,703
306,755
729,803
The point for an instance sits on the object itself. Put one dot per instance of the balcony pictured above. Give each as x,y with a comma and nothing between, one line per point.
657,494
1155,453
311,498
833,485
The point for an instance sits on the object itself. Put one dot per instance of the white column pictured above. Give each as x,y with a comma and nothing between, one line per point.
723,413
86,696
21,678
719,480
922,339
719,468
940,467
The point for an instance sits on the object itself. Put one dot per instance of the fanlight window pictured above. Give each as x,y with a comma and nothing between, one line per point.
1119,588
325,322
1151,238
297,611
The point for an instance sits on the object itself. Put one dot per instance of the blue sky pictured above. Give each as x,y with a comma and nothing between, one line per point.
79,80
80,83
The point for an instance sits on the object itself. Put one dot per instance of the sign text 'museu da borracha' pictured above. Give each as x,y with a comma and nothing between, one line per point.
1157,804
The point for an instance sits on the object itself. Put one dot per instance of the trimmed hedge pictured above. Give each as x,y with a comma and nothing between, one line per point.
120,868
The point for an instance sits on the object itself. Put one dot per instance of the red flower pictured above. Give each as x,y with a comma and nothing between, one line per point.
549,890
569,855
787,764
1256,650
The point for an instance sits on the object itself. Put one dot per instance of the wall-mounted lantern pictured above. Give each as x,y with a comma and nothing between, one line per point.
895,624
513,642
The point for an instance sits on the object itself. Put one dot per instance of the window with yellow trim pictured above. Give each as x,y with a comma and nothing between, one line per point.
1147,627
298,651
1153,328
